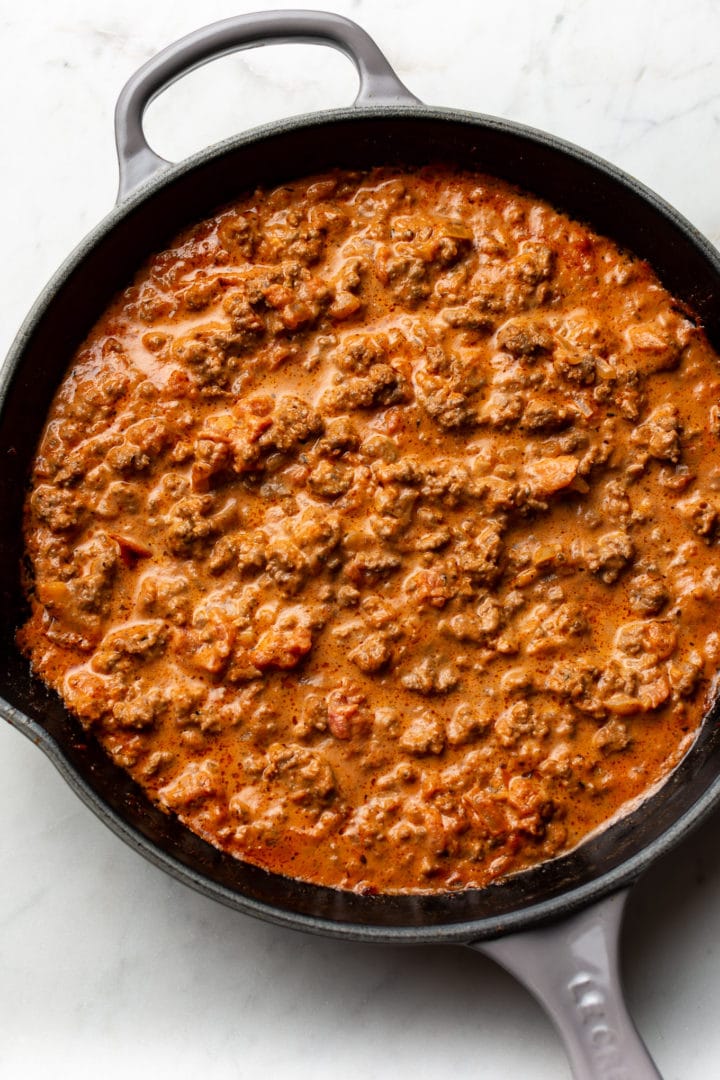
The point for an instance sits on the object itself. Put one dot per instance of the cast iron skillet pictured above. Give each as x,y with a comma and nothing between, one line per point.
539,923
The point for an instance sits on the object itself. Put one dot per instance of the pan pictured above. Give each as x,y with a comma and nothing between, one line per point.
556,926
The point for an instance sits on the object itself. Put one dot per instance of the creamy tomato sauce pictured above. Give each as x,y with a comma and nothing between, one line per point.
373,530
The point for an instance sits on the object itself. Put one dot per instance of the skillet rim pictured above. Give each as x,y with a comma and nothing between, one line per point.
486,928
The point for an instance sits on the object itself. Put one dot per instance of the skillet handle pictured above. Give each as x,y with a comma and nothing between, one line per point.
572,968
379,85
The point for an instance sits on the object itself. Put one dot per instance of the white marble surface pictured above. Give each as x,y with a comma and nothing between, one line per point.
107,967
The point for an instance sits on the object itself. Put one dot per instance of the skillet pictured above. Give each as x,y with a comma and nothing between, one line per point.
555,926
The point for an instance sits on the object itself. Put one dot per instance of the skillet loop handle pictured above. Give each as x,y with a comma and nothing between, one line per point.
379,85
572,968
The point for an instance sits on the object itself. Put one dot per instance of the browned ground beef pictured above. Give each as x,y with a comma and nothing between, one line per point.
374,530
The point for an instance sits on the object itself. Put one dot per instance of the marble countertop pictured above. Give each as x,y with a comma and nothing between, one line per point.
107,967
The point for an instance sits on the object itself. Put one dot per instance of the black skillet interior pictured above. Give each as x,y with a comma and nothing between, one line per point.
572,181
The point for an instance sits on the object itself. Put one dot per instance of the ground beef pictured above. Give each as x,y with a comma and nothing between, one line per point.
374,530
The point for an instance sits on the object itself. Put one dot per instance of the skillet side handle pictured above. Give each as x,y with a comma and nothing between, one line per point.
379,85
572,968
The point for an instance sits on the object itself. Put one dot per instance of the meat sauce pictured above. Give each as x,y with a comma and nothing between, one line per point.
373,530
